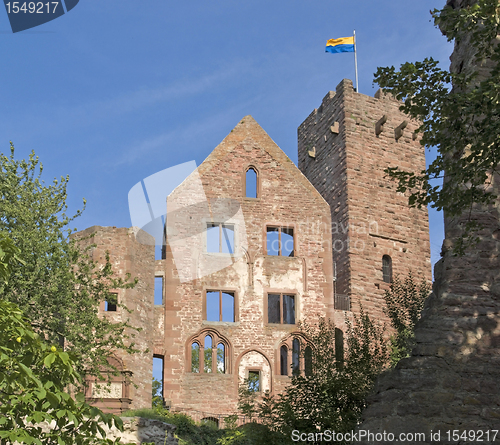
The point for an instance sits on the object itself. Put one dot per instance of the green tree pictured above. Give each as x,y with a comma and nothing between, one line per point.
459,112
157,400
404,303
58,287
34,378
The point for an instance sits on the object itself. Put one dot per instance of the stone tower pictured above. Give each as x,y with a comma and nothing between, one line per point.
344,147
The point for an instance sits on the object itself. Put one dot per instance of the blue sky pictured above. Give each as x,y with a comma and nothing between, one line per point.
114,91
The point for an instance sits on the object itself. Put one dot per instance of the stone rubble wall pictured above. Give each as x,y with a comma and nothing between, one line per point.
138,430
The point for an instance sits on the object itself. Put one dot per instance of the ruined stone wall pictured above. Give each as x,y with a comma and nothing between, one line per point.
130,252
344,147
285,199
450,382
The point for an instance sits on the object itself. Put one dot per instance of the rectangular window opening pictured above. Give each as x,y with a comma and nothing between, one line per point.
220,238
220,306
110,305
158,361
253,381
281,308
280,241
158,292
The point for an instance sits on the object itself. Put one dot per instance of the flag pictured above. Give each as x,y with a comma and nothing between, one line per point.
341,45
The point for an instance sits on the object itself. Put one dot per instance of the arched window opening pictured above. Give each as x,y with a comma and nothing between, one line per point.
295,356
251,183
308,361
207,348
195,357
210,353
387,268
284,360
221,359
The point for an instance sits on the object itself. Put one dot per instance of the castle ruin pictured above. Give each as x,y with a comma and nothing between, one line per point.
242,266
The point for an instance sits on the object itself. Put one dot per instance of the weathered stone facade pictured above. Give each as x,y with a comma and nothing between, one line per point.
230,312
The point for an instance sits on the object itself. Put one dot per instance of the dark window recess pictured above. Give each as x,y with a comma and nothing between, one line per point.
339,348
253,381
220,306
308,361
251,183
281,308
110,305
220,238
280,241
387,268
295,356
284,360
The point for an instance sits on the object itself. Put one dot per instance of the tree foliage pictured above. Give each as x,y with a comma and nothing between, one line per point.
333,396
34,380
404,302
58,287
460,115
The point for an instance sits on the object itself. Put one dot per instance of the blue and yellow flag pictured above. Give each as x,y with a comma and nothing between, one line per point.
341,45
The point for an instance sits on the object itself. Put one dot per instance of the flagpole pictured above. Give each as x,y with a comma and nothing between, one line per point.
355,60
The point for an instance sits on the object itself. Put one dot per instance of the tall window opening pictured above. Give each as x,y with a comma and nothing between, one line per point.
387,268
220,238
284,360
281,308
221,359
280,241
251,183
295,356
308,361
339,348
207,347
220,306
158,380
158,291
195,357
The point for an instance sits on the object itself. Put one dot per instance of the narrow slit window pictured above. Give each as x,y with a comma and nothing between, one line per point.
195,357
158,378
221,359
284,360
308,361
251,183
387,268
207,354
280,241
339,348
295,357
158,292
